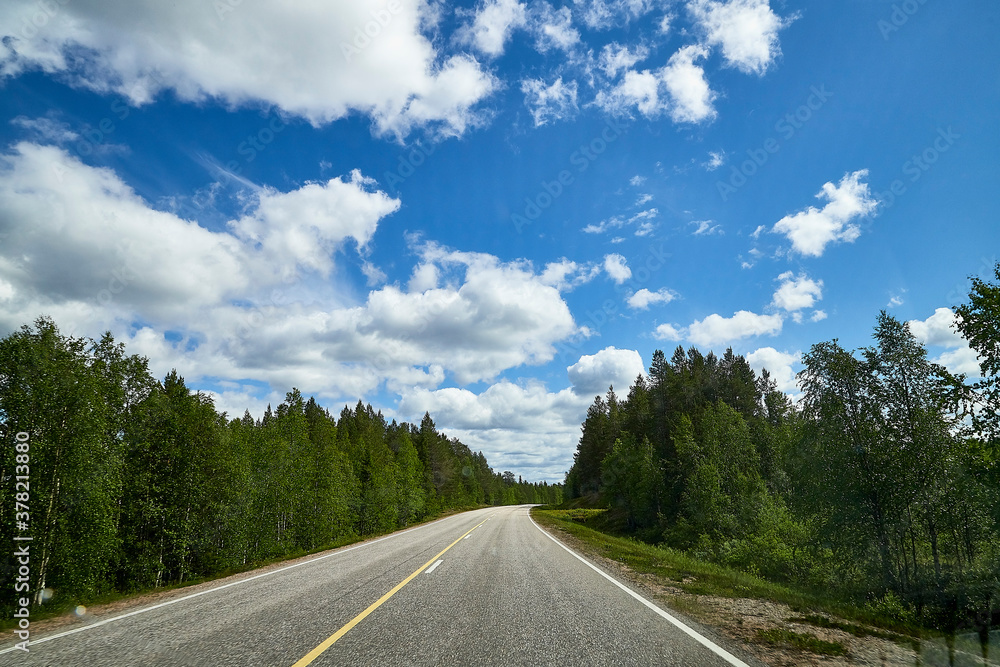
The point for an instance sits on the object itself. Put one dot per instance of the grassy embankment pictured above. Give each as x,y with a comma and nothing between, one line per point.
597,533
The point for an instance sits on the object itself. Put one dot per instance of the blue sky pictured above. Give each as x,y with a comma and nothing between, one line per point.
492,210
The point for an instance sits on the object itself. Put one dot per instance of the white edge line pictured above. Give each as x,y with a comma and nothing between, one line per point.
105,621
434,566
704,641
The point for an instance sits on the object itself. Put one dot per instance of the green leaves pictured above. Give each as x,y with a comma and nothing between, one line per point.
138,484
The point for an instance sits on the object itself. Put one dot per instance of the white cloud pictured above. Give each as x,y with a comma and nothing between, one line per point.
604,14
616,58
818,316
796,293
778,364
564,275
716,330
689,91
938,329
75,232
47,129
517,426
663,27
249,301
494,22
747,31
637,180
556,101
668,332
715,160
504,405
305,226
812,229
317,61
617,268
646,219
424,278
636,89
373,274
706,228
961,360
593,374
679,88
643,299
555,29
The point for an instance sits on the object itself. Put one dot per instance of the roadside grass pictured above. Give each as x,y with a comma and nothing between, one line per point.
802,641
854,629
680,570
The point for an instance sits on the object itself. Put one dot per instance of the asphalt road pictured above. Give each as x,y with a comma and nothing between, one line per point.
502,593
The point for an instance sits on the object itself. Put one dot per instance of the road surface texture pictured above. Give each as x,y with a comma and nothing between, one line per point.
486,587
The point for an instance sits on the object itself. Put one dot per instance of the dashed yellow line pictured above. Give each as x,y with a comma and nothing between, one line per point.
329,641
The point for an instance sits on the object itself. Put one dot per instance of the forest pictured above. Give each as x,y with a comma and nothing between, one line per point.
131,483
879,485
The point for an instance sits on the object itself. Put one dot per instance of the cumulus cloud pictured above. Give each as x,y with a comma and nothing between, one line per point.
617,268
72,231
639,90
812,229
304,227
643,299
668,332
316,61
593,374
524,426
556,101
554,29
250,300
493,24
564,275
797,292
679,88
617,58
691,96
962,360
778,364
939,330
746,30
517,426
716,330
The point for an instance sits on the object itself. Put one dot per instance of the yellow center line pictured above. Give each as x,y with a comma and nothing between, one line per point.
329,641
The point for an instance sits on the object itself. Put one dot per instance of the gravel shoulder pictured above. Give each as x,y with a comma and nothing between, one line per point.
741,620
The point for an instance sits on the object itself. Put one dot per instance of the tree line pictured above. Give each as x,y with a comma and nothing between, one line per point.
137,483
881,484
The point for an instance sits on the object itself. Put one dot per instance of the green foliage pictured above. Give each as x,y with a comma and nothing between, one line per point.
979,323
137,484
882,483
